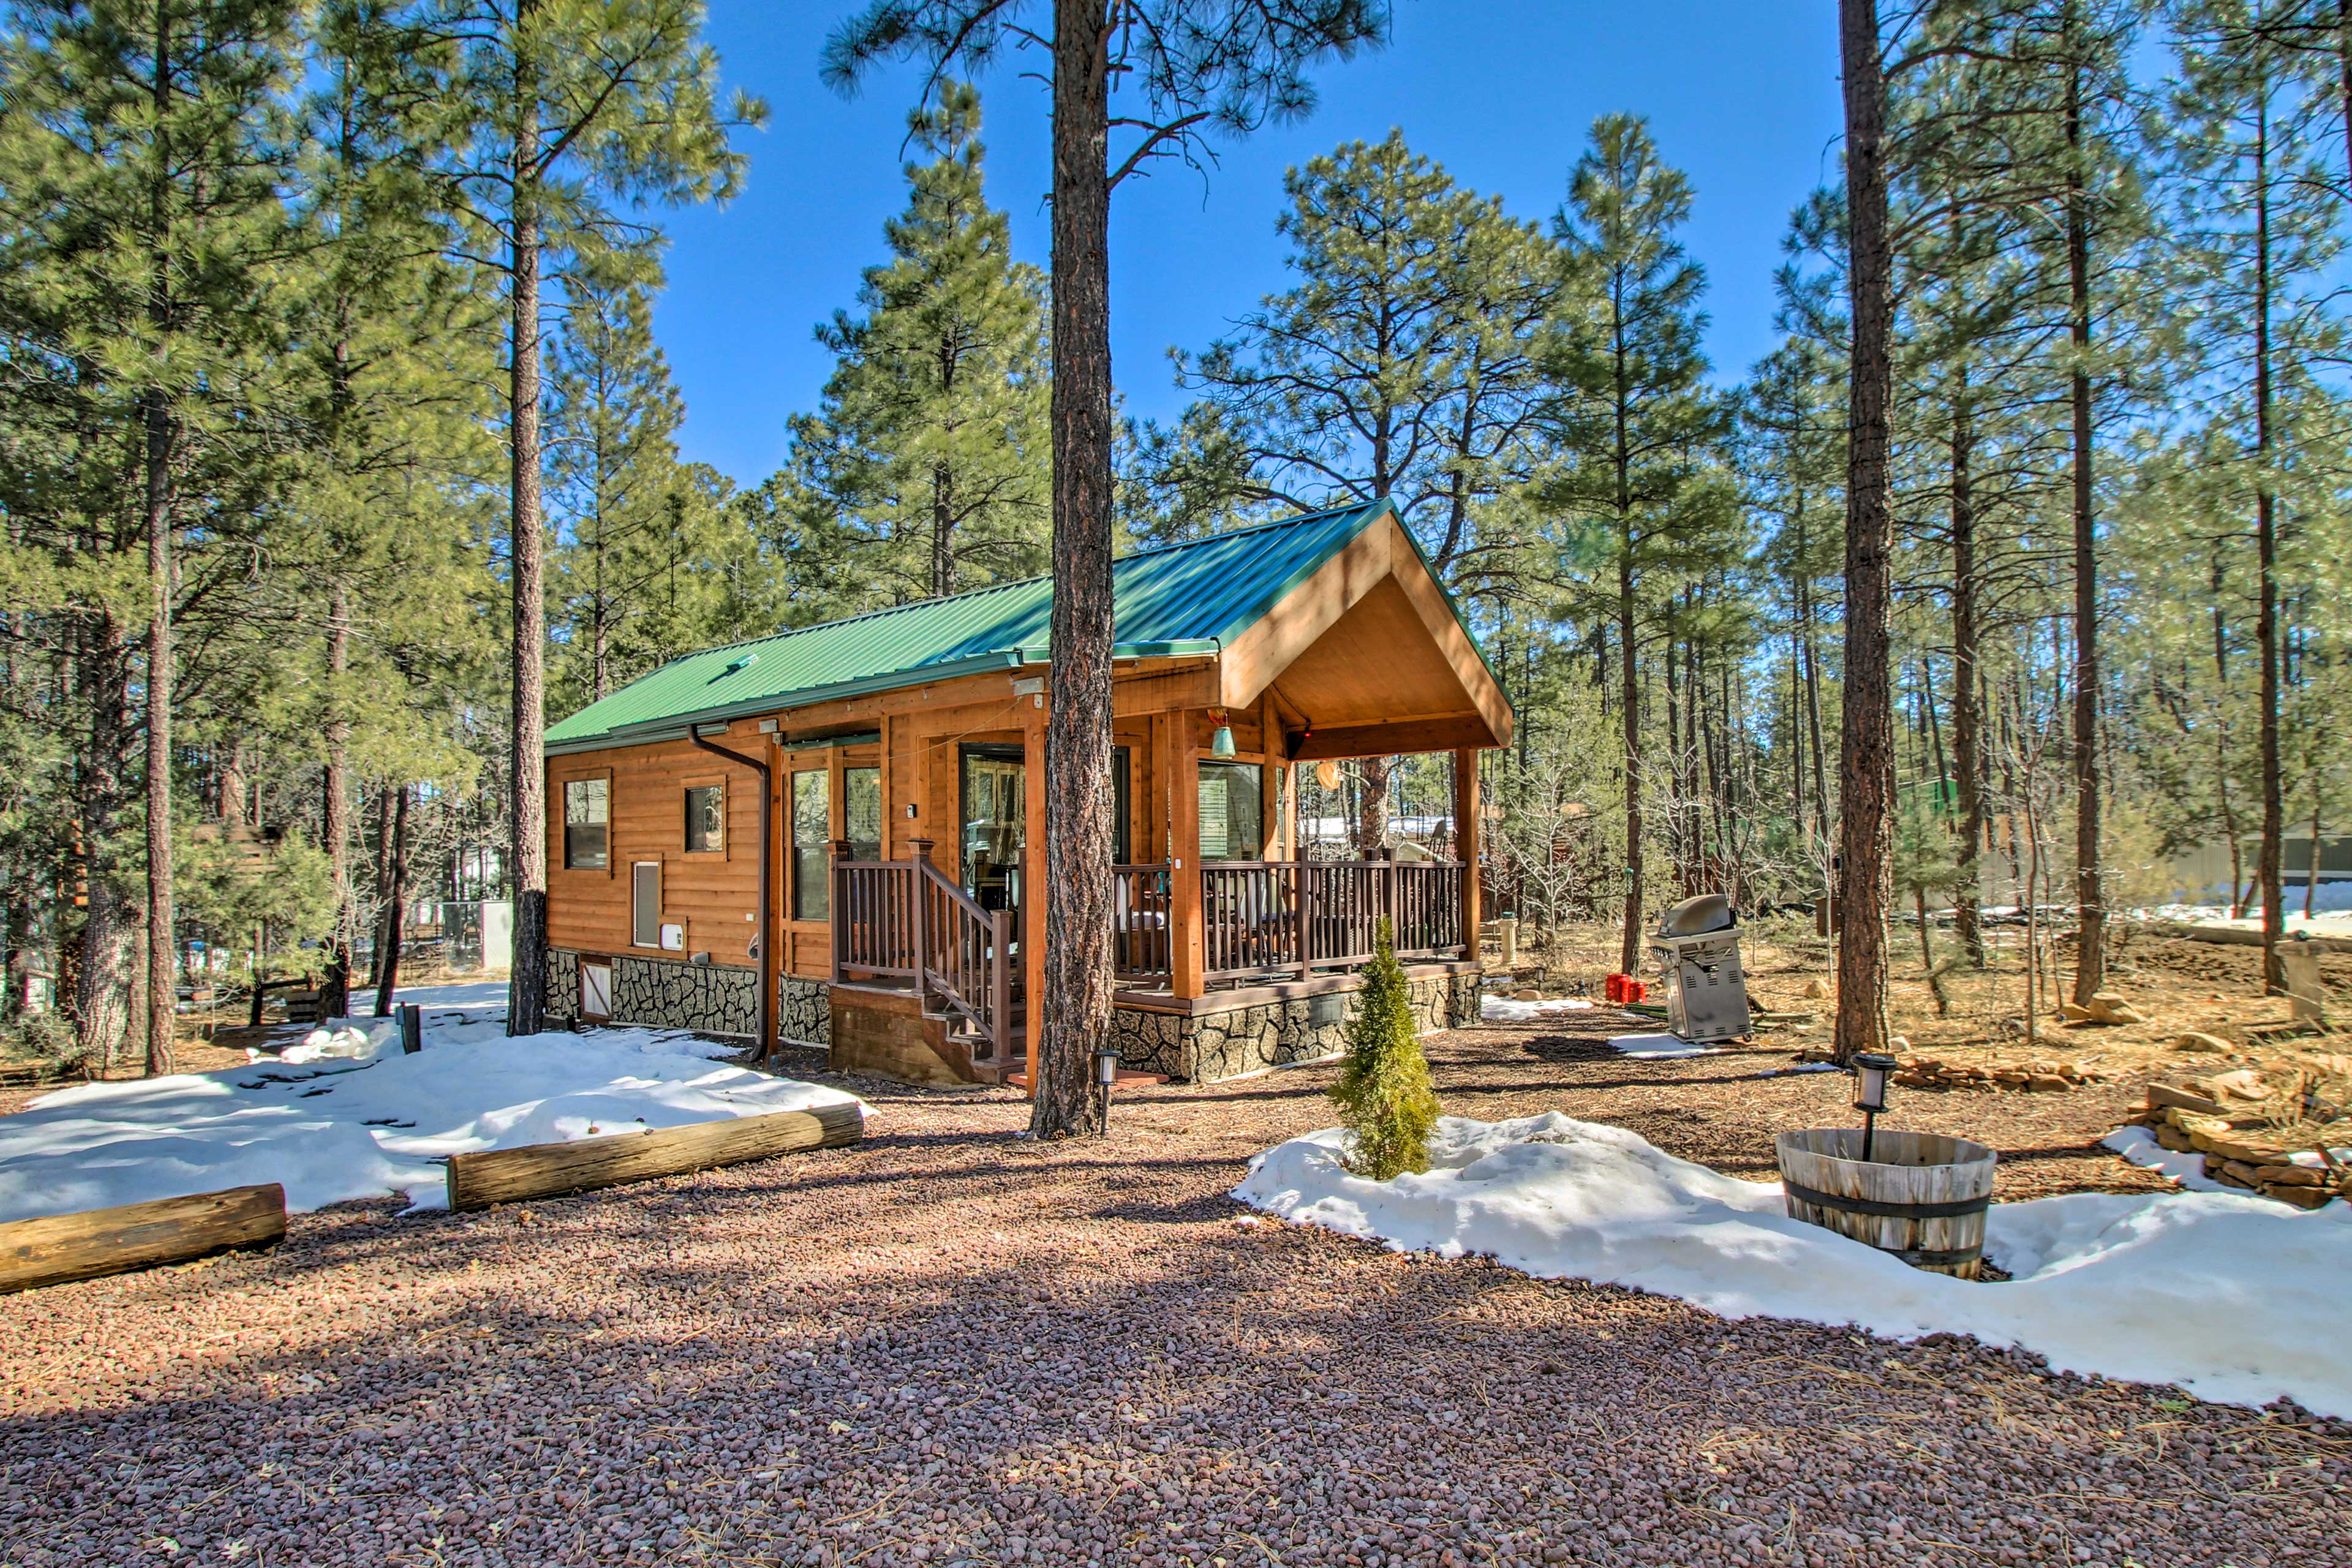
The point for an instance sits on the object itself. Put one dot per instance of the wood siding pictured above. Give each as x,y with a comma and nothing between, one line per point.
709,893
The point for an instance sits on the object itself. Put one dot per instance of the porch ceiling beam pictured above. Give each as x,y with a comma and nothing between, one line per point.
1461,732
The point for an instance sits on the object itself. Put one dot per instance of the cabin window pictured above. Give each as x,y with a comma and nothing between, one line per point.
587,804
812,837
705,819
994,829
645,904
1121,806
1232,816
861,812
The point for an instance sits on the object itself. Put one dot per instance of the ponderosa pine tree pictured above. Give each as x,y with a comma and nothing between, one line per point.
1866,741
928,462
2259,220
1187,67
558,110
1401,363
617,487
1633,422
142,153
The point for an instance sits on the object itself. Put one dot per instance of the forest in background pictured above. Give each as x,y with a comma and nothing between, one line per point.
308,313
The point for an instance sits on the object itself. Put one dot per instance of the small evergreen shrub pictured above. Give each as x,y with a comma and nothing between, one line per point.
1385,1100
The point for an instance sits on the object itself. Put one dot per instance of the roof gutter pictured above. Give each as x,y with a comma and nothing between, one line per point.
768,935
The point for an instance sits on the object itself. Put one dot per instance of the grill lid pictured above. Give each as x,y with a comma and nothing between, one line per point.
1695,917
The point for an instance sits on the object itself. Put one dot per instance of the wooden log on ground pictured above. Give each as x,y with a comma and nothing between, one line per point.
2226,936
552,1170
54,1249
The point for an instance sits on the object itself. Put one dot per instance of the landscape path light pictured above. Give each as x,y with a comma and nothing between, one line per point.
1869,1074
1106,1068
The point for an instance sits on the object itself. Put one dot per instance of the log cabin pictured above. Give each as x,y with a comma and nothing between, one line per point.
834,836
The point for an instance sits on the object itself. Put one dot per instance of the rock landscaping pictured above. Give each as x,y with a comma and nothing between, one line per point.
2240,1122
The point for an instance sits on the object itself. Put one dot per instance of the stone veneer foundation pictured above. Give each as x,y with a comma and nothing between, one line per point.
1202,1047
663,993
1191,1047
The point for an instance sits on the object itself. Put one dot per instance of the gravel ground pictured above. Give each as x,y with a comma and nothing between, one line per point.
949,1345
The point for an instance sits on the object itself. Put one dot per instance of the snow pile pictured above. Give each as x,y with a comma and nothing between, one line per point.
2233,1297
1497,1009
1659,1047
2139,1145
354,1117
350,1039
2331,916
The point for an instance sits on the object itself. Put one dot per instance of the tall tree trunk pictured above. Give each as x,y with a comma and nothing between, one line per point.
1866,749
101,987
1075,1017
383,879
2311,865
163,951
396,902
1372,828
1629,953
943,572
2089,894
1968,709
335,812
527,848
2268,867
162,979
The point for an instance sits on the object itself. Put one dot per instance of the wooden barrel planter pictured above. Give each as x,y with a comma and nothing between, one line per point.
1920,1197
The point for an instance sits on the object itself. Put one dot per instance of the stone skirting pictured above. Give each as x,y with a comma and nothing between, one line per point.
1202,1047
663,993
804,1011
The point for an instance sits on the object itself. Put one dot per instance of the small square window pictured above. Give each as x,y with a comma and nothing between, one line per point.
705,819
586,804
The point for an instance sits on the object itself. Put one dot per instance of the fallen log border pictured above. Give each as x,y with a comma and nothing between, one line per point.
476,1180
2228,936
54,1249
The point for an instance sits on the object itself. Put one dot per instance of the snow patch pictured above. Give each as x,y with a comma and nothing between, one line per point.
1497,1009
1659,1047
2233,1297
347,1114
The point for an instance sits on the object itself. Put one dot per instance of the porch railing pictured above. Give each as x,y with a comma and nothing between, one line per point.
907,919
1273,917
1142,917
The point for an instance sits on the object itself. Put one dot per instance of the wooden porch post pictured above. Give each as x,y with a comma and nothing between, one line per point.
1468,838
1269,722
918,911
1180,758
1033,883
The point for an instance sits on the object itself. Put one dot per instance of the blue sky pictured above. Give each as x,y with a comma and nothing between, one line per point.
1742,94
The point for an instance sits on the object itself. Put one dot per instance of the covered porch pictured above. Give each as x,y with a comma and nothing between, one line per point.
1219,909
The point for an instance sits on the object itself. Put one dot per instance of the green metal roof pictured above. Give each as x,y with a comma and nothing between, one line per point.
1192,597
